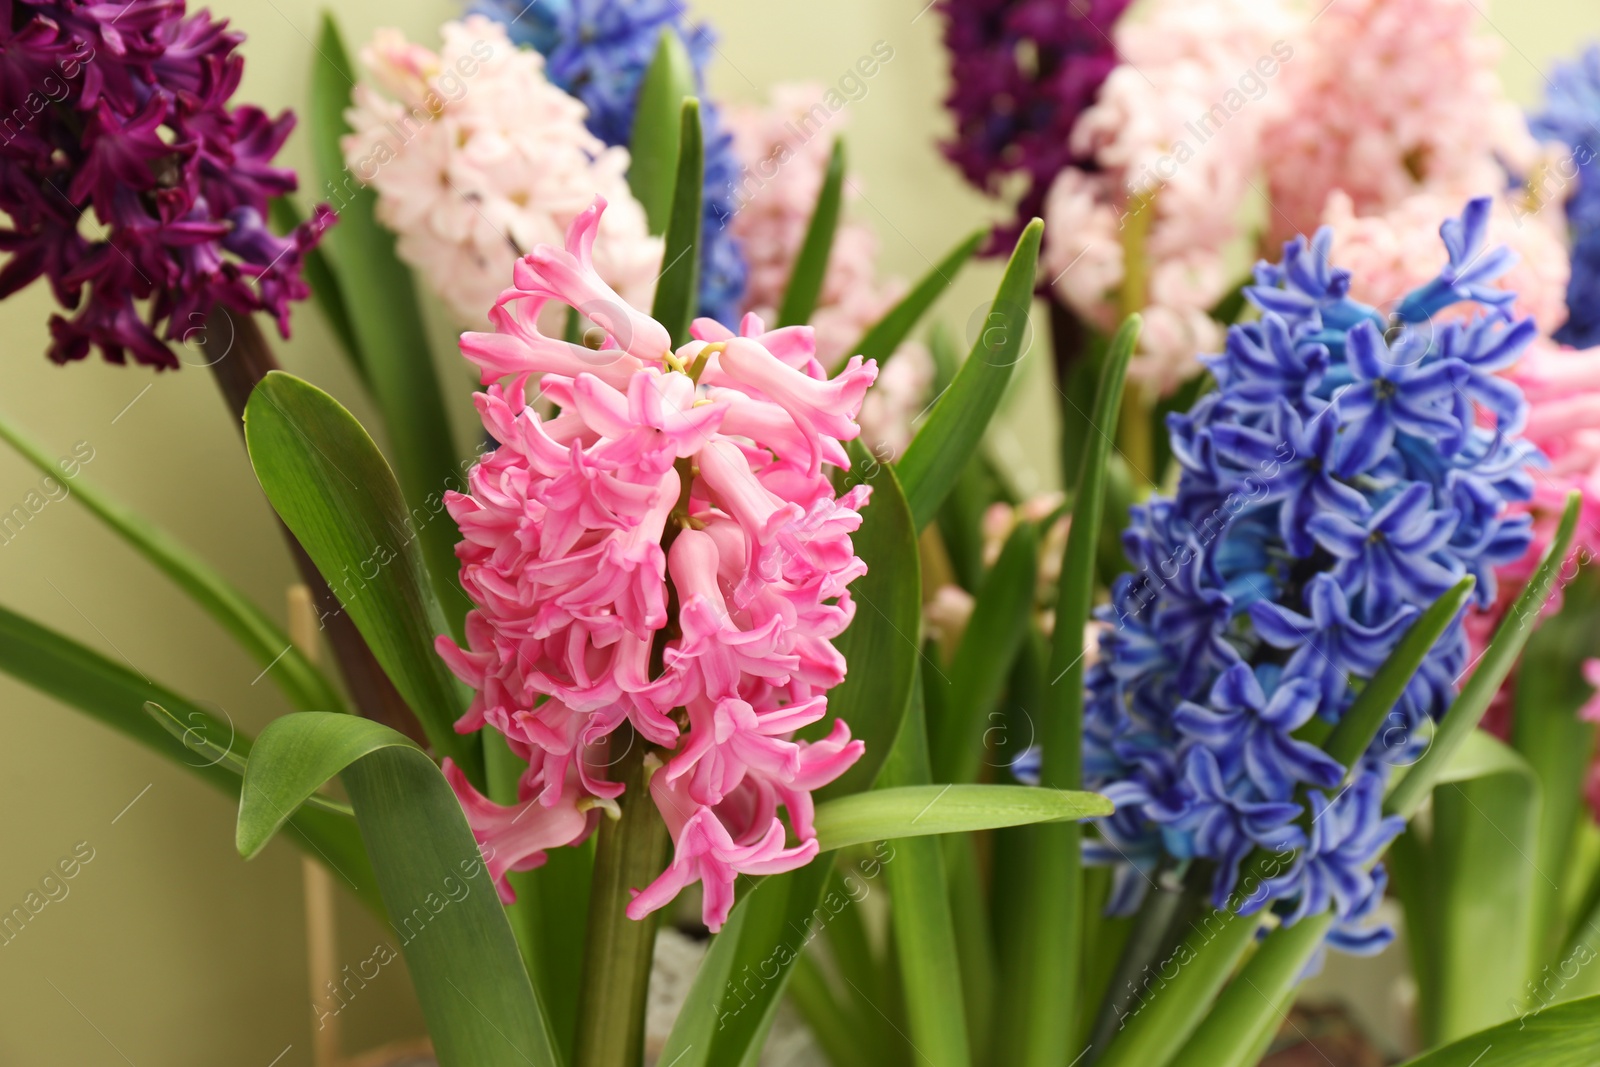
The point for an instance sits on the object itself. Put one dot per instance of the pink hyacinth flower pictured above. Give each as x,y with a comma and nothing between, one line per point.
698,478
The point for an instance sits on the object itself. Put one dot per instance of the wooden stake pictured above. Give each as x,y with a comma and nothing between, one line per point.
322,934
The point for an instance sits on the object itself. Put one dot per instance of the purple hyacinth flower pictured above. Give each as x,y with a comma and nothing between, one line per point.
1021,72
123,111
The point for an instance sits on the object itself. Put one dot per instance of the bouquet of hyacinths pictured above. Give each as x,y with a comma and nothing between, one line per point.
673,642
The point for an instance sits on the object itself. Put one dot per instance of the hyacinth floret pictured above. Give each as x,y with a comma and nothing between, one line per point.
668,553
121,114
599,51
1350,467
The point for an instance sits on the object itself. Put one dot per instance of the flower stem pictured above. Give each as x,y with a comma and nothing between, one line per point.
245,358
1133,427
629,853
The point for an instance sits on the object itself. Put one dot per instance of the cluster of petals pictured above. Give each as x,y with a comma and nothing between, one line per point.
1391,97
1021,72
667,552
1180,121
1351,465
476,159
132,183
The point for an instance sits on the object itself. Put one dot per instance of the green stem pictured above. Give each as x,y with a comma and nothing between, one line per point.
629,853
1133,429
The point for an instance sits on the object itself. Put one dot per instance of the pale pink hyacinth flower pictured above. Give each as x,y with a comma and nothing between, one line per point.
1392,97
1180,120
706,468
475,158
784,149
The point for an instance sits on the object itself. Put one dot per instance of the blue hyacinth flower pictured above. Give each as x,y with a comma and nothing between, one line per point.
1390,558
1247,731
1392,390
1329,647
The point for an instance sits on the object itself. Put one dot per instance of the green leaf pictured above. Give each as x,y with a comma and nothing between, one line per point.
325,287
677,289
247,624
1372,707
1557,743
835,1028
983,661
956,424
919,897
116,696
724,1022
811,262
1489,674
381,298
1155,1029
1231,1031
1563,1036
653,149
919,810
480,1008
1042,991
881,644
1482,878
332,488
886,335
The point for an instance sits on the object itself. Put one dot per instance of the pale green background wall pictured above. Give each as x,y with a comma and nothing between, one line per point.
170,950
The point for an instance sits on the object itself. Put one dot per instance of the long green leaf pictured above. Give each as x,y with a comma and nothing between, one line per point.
1563,1036
332,488
1156,1028
678,286
907,811
1232,1029
960,416
924,930
480,1008
325,287
115,696
1367,713
1483,879
381,298
1490,673
983,661
881,340
247,624
653,147
1557,743
881,645
811,262
835,1028
1042,993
